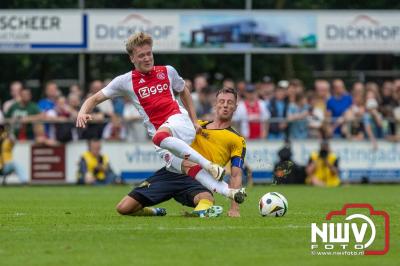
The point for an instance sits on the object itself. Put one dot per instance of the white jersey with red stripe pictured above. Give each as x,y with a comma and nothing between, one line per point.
151,93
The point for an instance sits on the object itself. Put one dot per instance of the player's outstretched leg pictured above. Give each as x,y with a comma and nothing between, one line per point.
221,187
181,149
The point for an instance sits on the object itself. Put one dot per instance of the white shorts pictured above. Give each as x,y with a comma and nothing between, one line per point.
182,128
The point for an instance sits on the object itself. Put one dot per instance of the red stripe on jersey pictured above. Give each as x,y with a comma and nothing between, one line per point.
154,94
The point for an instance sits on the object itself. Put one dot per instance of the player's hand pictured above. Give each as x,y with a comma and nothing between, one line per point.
82,120
233,213
197,127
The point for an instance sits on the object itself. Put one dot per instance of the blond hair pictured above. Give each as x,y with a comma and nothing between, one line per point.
137,40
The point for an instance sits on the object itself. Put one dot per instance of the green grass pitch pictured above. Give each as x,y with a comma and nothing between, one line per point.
79,226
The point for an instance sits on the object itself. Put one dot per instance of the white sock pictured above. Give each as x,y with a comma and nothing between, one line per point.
210,183
181,149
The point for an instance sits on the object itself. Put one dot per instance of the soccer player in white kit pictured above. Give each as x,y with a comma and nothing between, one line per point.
151,89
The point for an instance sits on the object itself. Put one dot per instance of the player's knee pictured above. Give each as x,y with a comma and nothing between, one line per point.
124,207
159,137
121,209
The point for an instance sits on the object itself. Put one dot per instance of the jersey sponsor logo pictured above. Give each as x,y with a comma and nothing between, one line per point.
145,92
141,81
161,76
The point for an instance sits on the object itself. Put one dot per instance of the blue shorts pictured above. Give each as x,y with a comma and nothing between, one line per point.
164,185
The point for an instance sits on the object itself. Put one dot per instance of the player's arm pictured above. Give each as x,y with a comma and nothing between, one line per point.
87,107
235,182
188,103
334,168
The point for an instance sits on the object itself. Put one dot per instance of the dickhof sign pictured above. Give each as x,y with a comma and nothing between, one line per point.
109,30
359,31
35,30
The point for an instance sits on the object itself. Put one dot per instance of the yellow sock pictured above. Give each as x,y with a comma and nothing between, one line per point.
203,204
146,211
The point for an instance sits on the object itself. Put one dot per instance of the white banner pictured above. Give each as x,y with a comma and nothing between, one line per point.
358,31
356,159
109,30
41,29
139,160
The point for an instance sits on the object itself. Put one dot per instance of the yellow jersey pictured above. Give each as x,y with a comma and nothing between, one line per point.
7,146
92,162
219,145
322,171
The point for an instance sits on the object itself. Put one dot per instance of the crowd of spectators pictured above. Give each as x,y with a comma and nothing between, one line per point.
266,110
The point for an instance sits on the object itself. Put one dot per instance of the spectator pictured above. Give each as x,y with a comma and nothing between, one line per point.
396,85
203,106
114,130
337,105
41,138
22,114
323,168
295,173
386,108
241,88
372,119
322,92
352,125
77,90
297,114
94,129
189,85
74,102
266,91
7,164
94,167
278,110
252,115
135,130
105,107
15,92
199,84
358,88
117,102
396,114
63,115
373,86
319,122
51,93
228,83
47,106
297,85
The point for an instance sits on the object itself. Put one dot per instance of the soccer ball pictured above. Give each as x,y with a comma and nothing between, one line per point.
273,204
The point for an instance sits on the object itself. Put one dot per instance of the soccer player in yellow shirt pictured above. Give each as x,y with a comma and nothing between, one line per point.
219,143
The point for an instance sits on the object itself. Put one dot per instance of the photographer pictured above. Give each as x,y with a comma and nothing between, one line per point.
286,171
94,167
323,167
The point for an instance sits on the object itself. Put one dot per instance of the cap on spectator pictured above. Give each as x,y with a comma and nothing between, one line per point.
267,79
283,84
250,87
371,104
